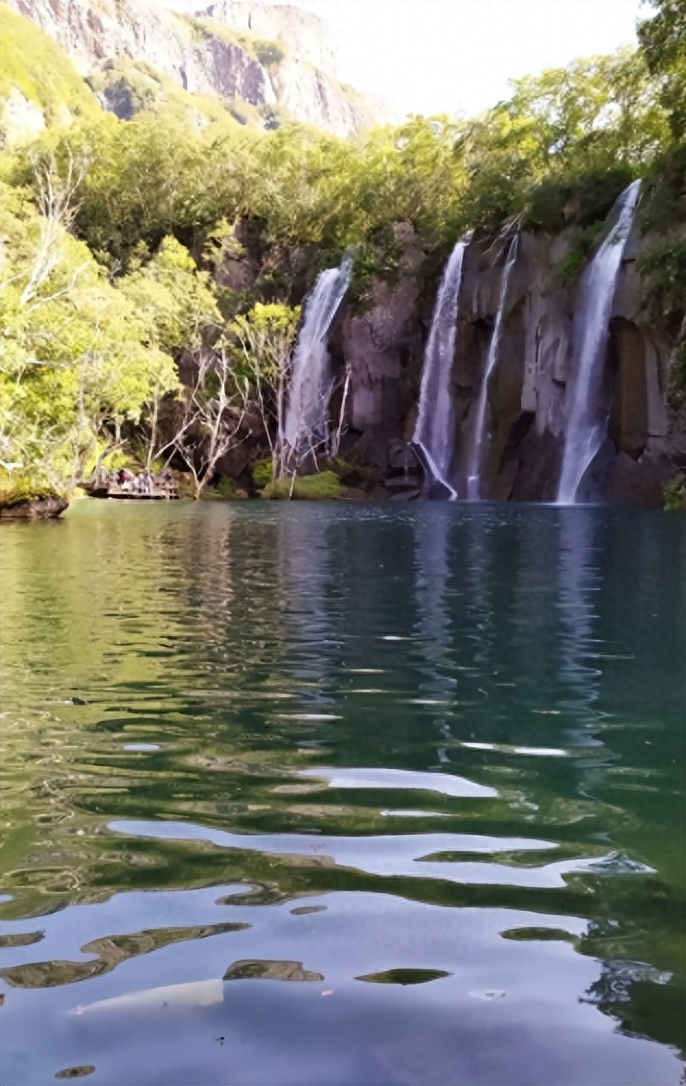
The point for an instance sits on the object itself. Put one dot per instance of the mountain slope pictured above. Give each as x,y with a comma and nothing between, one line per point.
38,83
221,54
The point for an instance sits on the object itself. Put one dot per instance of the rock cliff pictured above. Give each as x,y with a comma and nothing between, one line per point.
295,29
383,346
263,54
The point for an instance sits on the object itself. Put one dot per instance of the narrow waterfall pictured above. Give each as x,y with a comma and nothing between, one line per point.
586,421
306,418
434,433
480,431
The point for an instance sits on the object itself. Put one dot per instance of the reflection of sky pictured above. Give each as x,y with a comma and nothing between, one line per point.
432,572
305,580
579,582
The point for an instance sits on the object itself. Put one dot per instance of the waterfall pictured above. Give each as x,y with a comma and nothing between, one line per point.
434,434
479,432
306,422
586,422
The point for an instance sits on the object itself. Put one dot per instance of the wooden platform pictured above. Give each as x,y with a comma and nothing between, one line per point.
155,495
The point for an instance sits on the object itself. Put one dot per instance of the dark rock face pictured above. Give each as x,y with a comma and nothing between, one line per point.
381,341
39,509
384,348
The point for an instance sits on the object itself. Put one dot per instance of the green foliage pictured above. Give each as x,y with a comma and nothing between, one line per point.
262,473
322,487
177,302
128,88
93,350
663,41
663,205
663,278
16,488
263,339
41,70
676,392
582,241
663,265
269,53
563,146
78,361
674,494
225,488
147,178
559,202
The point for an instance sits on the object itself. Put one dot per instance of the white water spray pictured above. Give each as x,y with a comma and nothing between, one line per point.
434,434
306,419
480,430
586,421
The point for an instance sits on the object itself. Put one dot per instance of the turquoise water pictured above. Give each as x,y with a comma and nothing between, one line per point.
343,794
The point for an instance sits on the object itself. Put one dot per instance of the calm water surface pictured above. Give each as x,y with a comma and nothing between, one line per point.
343,795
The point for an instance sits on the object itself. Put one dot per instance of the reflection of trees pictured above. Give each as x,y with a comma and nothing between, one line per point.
264,969
305,590
617,979
645,1001
211,630
110,952
578,585
434,621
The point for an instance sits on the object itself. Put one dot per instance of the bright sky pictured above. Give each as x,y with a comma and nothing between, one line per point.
435,56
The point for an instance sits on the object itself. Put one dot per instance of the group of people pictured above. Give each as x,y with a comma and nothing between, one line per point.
143,482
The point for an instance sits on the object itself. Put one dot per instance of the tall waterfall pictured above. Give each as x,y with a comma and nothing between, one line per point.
480,429
434,434
586,421
306,418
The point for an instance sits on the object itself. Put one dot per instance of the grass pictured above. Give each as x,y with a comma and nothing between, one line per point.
41,70
322,487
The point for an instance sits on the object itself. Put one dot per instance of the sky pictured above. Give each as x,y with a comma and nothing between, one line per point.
456,56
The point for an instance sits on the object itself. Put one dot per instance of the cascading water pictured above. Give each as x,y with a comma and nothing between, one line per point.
306,422
586,420
479,432
434,434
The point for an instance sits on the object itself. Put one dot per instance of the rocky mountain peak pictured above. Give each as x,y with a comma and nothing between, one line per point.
267,55
298,30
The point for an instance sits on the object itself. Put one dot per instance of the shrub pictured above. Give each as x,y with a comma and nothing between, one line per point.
674,494
269,53
15,490
225,488
262,473
582,242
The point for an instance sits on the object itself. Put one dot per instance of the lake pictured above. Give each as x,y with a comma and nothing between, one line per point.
343,794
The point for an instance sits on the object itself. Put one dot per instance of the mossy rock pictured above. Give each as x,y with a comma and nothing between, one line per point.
34,509
21,490
322,487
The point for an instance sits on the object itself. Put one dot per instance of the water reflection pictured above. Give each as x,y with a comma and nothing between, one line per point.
439,688
427,760
579,582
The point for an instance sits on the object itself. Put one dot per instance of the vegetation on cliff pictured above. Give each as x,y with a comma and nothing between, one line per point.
42,73
113,230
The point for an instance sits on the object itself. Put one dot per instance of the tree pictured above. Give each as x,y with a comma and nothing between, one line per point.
212,419
262,344
662,39
178,304
76,364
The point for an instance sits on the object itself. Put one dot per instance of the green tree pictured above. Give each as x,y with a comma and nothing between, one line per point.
76,364
261,351
663,41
